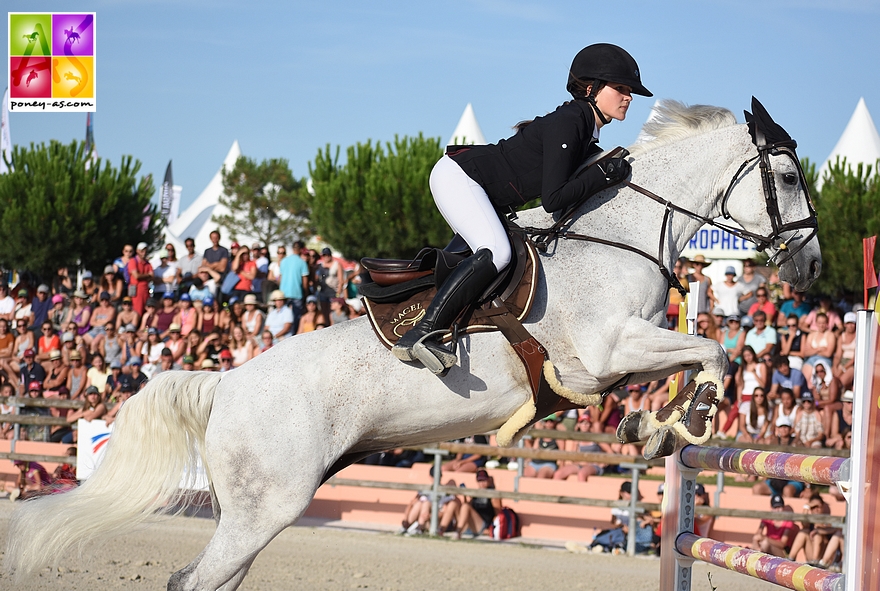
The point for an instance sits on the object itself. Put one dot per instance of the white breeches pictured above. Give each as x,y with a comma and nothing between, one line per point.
467,209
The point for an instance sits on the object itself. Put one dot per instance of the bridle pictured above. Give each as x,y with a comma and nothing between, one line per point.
776,239
542,237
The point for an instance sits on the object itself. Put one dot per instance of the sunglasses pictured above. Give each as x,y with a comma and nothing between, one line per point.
815,507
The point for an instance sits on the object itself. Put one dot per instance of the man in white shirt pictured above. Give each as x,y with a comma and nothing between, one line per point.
279,321
762,338
191,261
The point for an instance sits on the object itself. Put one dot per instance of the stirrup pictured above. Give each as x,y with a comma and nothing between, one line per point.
437,359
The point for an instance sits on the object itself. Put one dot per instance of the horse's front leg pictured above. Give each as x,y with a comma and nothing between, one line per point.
652,353
648,352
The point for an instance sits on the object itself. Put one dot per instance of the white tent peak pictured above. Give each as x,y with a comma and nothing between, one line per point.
859,143
468,131
195,222
653,115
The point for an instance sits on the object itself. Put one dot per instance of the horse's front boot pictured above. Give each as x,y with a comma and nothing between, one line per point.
688,416
422,342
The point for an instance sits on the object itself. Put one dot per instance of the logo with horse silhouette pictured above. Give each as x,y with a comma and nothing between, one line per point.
52,61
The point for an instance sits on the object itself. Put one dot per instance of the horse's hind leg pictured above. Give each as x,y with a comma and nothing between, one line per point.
246,526
224,563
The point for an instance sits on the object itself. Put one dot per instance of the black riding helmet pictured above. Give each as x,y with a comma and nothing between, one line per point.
608,63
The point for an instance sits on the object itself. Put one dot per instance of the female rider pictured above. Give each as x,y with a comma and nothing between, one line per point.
470,182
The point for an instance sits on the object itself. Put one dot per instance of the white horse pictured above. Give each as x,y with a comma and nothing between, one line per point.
269,433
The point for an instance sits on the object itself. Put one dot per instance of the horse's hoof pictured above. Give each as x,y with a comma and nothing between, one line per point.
628,431
691,412
660,444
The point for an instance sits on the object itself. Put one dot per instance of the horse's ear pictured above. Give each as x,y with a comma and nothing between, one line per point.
762,127
753,131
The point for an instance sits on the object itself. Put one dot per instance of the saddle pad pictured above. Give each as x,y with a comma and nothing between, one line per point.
390,321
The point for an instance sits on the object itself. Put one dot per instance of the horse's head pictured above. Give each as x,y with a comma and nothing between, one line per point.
783,222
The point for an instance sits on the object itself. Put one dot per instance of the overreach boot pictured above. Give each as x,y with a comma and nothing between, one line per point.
464,284
689,415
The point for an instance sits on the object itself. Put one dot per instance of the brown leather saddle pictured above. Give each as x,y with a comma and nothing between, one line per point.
402,290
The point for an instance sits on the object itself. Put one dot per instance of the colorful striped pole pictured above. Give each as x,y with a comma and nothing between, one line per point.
782,572
786,466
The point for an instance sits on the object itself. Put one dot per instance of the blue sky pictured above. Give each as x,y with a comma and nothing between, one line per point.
182,79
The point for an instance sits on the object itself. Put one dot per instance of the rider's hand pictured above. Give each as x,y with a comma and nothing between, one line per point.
602,175
615,170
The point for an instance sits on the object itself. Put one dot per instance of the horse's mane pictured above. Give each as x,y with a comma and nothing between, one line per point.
671,121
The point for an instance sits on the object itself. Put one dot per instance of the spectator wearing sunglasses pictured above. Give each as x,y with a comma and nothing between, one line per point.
813,538
763,304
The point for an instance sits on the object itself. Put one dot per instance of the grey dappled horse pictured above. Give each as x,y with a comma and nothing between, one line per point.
272,430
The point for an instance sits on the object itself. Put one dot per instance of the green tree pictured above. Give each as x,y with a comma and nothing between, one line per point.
378,203
848,209
56,208
265,201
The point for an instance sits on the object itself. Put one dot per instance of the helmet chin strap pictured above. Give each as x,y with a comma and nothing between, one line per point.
591,98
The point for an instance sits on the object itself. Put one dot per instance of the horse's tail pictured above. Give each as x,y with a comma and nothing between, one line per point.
157,441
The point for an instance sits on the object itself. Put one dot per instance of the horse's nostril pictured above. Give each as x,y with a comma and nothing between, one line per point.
815,268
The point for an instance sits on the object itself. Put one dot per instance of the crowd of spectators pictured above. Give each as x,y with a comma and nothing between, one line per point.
99,339
816,544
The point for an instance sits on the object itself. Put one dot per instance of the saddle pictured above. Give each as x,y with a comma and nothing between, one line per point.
401,290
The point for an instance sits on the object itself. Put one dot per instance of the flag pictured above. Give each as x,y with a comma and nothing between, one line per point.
868,256
176,191
166,195
91,149
5,142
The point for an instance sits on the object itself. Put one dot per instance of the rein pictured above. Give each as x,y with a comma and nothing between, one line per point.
542,237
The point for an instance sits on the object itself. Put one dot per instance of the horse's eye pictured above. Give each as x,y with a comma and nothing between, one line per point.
790,178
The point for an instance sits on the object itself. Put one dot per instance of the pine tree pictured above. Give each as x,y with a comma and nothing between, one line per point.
378,203
265,201
54,211
848,209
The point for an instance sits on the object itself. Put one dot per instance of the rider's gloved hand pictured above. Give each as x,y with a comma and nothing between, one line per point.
604,174
616,170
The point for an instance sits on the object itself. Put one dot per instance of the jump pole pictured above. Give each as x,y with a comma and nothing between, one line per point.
677,514
858,476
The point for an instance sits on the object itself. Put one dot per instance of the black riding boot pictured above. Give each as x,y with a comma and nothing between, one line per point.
422,342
